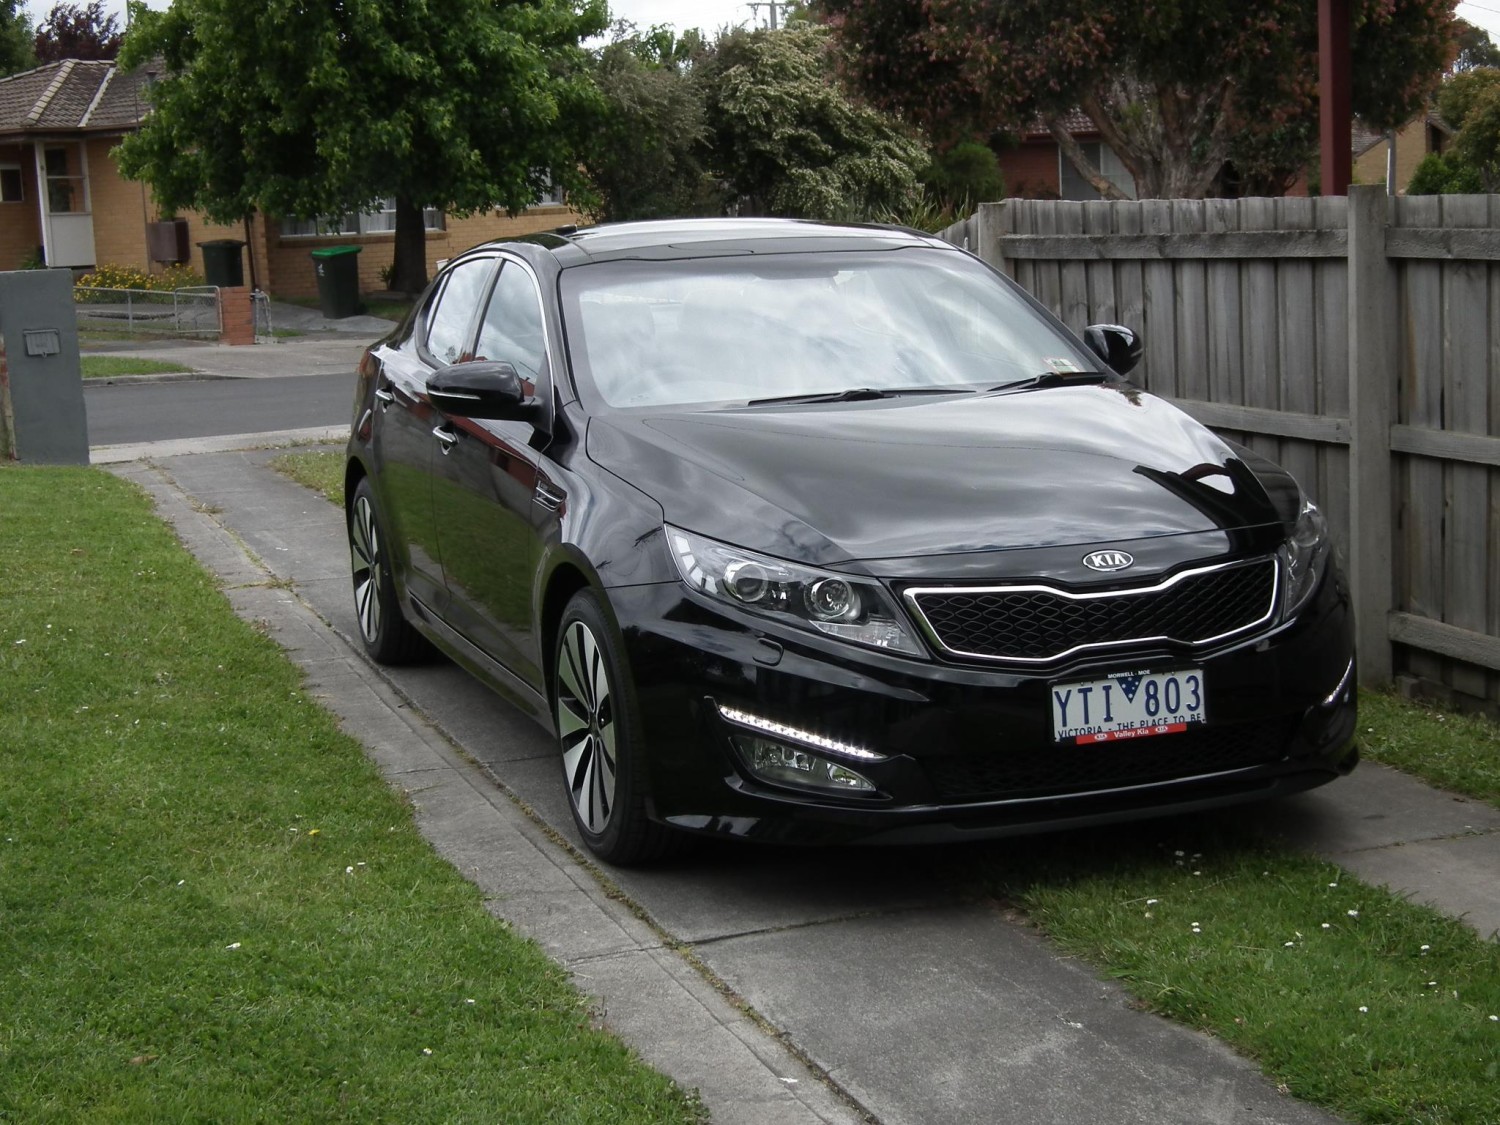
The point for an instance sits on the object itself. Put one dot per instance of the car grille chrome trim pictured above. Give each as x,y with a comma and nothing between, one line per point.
1213,603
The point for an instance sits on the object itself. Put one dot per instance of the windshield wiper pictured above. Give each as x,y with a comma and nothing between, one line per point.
1049,379
860,394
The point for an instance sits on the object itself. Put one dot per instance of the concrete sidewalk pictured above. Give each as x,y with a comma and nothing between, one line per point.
787,986
325,347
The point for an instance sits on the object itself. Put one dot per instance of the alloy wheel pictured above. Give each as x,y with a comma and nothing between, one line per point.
586,726
364,551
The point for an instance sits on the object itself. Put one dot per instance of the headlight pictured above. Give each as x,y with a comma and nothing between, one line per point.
1304,555
852,609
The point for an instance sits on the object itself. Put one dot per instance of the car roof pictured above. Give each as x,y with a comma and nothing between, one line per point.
708,238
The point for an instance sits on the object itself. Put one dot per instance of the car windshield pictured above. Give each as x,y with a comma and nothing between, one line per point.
742,329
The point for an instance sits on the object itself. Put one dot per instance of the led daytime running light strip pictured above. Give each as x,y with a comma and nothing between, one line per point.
781,730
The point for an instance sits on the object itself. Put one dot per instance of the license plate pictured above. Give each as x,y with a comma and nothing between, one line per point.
1127,705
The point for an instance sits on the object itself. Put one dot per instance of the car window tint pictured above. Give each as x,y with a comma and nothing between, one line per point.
448,324
726,329
512,328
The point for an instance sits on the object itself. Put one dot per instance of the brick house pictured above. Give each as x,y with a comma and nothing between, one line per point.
1035,168
64,202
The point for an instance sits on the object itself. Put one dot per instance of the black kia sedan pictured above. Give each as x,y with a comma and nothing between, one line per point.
808,533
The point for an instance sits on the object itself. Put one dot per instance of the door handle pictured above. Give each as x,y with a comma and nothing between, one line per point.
385,398
446,437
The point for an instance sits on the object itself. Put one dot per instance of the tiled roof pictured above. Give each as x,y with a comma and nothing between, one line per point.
72,94
1075,121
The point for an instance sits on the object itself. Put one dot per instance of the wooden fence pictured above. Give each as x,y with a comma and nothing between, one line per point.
1356,341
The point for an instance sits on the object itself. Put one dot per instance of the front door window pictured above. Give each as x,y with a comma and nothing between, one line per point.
65,187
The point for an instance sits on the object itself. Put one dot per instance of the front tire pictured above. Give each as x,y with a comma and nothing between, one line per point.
599,739
388,637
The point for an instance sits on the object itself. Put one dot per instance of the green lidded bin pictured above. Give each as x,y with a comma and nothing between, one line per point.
337,269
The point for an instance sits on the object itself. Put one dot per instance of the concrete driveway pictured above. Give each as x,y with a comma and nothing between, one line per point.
786,985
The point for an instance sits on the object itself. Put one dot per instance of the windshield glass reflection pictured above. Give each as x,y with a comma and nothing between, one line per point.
733,329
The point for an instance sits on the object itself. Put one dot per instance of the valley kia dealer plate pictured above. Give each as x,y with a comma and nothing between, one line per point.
1127,705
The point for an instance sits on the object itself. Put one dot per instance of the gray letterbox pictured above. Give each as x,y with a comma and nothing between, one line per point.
40,339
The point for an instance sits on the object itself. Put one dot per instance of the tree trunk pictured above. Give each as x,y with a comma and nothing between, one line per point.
1075,156
409,270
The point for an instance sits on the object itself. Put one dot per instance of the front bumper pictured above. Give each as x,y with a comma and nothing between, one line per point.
968,750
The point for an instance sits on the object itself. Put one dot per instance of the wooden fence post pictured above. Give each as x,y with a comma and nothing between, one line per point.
1372,393
990,219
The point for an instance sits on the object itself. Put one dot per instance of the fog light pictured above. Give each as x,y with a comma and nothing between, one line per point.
792,765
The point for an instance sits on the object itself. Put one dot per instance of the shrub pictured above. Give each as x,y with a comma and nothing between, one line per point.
965,176
1442,175
128,277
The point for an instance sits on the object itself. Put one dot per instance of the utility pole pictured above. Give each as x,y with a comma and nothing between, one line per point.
1334,85
775,6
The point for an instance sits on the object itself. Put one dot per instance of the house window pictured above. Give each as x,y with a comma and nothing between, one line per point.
382,220
1075,186
11,183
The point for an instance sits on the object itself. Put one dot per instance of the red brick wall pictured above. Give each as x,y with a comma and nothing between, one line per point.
20,233
1031,170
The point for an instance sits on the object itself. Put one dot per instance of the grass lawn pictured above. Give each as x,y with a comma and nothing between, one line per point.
212,908
109,366
1453,751
321,472
1347,996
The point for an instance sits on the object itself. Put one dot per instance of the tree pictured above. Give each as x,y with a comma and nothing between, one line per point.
305,108
647,159
1470,103
1174,89
790,141
73,31
16,52
1475,47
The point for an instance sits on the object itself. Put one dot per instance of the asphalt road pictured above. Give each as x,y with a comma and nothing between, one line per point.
136,412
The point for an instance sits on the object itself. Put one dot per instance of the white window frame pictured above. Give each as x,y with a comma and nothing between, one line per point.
1109,165
380,221
8,166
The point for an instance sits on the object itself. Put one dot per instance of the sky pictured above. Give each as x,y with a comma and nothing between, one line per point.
714,14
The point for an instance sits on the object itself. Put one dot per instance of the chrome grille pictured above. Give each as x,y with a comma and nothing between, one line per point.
1036,624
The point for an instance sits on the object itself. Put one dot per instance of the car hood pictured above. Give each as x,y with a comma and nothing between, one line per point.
907,477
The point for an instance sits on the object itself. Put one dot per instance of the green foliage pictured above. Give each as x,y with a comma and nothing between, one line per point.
1175,93
755,123
787,138
304,109
1443,175
964,176
1470,103
1461,94
1475,47
16,38
647,160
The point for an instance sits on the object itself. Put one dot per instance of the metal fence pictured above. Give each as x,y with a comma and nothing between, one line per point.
1355,340
191,313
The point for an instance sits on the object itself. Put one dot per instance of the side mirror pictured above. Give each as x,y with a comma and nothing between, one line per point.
1115,345
482,389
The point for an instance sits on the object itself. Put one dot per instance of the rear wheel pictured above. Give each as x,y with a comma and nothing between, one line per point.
387,635
599,738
